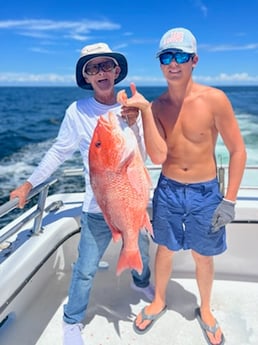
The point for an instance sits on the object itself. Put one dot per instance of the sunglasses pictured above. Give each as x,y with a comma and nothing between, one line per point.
180,57
105,66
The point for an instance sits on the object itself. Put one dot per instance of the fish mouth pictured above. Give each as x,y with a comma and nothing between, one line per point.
103,121
109,123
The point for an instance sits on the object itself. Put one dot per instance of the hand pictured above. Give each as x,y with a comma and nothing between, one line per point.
137,100
21,193
224,214
129,114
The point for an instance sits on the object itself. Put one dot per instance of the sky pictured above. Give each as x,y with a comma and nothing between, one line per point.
40,41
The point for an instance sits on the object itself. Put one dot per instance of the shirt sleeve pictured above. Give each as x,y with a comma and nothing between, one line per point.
63,147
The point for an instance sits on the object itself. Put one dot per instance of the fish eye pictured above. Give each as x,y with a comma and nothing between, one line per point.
98,144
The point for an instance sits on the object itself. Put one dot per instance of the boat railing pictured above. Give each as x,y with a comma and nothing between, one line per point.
36,214
42,190
222,171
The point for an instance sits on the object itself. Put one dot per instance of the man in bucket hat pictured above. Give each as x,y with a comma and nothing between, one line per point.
98,69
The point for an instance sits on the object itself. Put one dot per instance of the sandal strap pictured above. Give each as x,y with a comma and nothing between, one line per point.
211,329
145,316
150,317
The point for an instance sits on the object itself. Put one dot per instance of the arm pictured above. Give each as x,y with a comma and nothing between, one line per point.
228,128
63,147
155,145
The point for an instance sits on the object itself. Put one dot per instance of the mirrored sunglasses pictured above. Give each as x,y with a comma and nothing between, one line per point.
93,69
180,57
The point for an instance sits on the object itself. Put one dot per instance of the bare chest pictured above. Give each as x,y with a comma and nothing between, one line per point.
191,123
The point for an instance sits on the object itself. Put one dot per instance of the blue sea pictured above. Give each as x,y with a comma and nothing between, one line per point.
30,118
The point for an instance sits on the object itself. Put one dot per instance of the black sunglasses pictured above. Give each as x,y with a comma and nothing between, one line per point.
106,66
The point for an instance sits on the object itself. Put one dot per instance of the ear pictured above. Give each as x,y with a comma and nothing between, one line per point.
86,79
195,60
117,71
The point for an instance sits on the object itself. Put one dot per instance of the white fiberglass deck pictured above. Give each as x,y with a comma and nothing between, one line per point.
114,304
34,316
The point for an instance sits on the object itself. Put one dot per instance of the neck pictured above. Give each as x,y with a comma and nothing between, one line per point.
104,98
179,92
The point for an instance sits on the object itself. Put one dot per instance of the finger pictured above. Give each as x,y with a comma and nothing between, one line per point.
133,88
121,97
216,221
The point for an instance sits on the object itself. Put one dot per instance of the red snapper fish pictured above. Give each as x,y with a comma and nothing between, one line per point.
121,185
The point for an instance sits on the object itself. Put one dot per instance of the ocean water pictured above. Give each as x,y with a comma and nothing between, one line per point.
30,118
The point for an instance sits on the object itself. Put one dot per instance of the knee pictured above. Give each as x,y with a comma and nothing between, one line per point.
201,259
85,270
164,252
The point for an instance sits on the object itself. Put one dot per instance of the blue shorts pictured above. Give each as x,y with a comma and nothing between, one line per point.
182,216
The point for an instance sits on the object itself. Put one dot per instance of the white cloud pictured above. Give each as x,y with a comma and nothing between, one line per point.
42,27
57,79
224,78
201,6
228,47
37,79
40,50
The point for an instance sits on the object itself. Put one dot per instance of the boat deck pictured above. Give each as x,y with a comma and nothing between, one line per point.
114,305
34,316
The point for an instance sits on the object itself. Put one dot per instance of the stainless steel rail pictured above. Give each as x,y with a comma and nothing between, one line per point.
43,188
6,208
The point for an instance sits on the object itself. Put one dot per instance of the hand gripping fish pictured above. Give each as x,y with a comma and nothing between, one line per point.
121,185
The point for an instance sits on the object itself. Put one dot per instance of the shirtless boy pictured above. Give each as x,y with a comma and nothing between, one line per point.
189,211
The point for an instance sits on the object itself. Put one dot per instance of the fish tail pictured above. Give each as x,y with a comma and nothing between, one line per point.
129,260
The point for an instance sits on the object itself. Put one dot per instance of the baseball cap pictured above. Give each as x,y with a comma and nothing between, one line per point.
98,50
179,39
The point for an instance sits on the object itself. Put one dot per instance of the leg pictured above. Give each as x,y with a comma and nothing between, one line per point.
95,237
204,277
163,270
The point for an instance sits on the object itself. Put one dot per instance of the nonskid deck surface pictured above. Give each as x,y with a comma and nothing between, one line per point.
114,306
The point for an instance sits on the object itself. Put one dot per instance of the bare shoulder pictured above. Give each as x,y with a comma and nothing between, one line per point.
161,101
212,96
209,91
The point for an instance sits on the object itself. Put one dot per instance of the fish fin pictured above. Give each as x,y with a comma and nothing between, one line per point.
134,179
116,234
131,260
126,159
147,224
148,176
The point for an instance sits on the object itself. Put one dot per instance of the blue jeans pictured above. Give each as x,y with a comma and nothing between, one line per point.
94,240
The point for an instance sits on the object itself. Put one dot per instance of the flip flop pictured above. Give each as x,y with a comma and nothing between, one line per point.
206,328
151,317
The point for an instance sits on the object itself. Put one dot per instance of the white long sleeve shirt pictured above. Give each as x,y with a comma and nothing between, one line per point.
75,133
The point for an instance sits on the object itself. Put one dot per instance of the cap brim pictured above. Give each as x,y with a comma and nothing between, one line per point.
121,60
169,50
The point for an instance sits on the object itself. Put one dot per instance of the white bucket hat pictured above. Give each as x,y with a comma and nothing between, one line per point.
98,50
